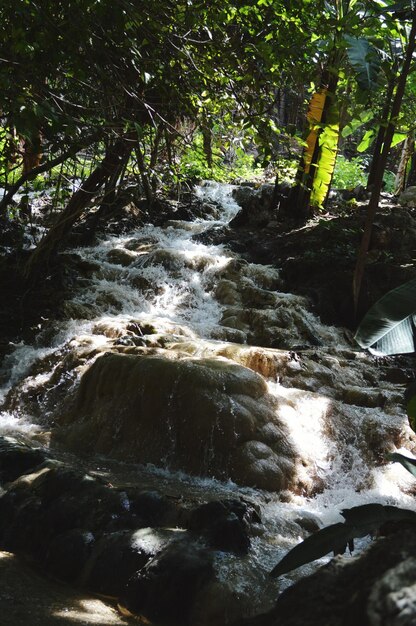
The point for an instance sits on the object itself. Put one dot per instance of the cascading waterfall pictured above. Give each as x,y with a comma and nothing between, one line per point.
160,292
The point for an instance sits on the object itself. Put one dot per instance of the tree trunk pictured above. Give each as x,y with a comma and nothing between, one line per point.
207,141
378,144
110,193
32,154
144,175
39,260
411,179
407,151
381,165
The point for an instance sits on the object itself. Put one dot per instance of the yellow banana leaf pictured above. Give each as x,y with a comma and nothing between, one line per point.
328,138
314,117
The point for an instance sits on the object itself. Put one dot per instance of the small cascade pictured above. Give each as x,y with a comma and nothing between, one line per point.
181,367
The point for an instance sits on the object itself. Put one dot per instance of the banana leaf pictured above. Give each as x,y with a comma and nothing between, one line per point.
368,517
331,538
407,462
325,166
367,140
365,61
389,326
328,148
359,522
314,116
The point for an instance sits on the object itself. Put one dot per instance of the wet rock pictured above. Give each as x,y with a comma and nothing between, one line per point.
258,465
52,501
165,589
17,458
117,556
373,589
224,524
392,601
121,256
256,207
153,508
227,292
68,553
126,407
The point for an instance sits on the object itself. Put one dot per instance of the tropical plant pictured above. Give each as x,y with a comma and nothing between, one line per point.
389,325
345,47
348,173
359,521
388,328
407,11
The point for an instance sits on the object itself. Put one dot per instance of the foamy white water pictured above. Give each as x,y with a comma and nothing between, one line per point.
195,296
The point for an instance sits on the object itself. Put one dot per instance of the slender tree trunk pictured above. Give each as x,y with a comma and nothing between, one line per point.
111,188
39,260
282,106
154,153
378,144
207,140
411,179
381,165
32,154
144,175
407,151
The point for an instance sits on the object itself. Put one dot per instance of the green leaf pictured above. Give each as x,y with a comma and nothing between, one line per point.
407,462
356,123
331,538
365,61
328,143
367,140
359,521
368,517
398,138
389,326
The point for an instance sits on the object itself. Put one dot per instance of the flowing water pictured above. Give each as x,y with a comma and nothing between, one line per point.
161,291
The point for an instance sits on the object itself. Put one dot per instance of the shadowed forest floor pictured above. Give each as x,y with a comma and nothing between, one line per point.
28,598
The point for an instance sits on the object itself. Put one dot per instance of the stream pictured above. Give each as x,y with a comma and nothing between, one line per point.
161,294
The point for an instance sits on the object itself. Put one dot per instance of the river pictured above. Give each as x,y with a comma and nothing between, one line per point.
159,291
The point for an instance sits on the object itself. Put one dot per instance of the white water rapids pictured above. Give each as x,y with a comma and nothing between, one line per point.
189,292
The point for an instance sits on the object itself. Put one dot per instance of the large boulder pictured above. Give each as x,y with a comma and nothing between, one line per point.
166,588
374,589
408,197
256,206
204,416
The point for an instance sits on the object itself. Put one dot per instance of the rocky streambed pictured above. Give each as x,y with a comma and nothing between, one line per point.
185,420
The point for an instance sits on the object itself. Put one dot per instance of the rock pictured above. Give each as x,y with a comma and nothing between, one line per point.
68,553
18,458
373,589
117,556
164,590
120,256
408,197
256,207
392,601
198,415
224,523
52,501
153,508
